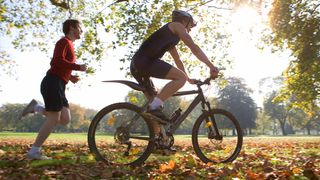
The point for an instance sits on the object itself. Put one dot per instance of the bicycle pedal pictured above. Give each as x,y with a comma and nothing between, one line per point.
152,117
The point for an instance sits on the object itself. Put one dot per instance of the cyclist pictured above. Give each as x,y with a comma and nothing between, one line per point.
146,61
53,87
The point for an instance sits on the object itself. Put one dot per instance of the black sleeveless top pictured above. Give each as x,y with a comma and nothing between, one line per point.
155,46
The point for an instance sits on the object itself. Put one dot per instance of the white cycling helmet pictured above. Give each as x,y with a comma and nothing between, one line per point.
183,14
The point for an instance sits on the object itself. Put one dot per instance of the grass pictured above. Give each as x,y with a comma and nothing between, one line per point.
53,136
83,137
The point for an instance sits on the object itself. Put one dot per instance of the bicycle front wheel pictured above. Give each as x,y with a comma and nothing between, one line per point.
119,135
217,137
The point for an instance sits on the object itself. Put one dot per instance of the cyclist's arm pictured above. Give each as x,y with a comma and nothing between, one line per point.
180,30
174,53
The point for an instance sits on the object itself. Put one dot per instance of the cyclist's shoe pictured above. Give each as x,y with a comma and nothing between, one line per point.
37,156
29,108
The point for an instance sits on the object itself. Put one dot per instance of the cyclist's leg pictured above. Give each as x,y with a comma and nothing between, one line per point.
178,80
150,92
163,70
144,81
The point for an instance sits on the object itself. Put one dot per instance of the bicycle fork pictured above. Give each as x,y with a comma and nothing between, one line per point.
213,128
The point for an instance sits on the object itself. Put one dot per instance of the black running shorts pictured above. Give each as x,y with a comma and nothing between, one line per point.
53,93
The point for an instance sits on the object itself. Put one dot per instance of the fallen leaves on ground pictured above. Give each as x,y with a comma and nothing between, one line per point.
260,158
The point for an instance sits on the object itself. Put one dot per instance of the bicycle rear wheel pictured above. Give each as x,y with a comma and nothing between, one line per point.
119,135
211,146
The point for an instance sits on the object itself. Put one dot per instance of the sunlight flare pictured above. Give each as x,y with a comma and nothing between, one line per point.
245,17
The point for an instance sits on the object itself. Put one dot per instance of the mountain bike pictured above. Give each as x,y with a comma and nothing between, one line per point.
123,134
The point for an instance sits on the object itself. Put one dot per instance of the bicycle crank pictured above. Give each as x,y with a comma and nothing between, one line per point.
121,135
164,143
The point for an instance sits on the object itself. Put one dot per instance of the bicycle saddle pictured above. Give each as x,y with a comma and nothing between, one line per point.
131,84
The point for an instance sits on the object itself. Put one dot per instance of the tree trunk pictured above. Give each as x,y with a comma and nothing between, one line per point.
308,130
282,124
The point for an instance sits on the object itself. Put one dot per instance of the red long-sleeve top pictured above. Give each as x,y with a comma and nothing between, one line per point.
64,58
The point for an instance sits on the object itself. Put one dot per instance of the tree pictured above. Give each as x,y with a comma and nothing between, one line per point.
235,97
277,110
79,121
295,25
9,114
113,25
264,123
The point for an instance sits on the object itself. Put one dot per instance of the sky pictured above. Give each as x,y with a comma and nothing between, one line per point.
250,63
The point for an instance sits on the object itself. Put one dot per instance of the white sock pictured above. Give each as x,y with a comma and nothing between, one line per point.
35,149
39,108
156,103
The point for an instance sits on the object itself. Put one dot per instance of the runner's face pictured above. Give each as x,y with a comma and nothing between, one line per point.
77,31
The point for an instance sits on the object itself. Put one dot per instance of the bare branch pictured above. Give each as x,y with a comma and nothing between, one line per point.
222,8
318,5
59,3
210,6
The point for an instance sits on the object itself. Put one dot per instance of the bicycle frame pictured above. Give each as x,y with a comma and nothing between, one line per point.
199,98
173,126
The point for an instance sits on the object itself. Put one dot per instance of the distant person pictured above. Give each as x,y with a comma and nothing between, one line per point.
56,108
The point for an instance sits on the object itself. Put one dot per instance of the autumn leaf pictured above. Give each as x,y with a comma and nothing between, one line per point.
91,157
297,170
111,121
163,167
133,99
171,164
134,151
260,158
167,167
209,164
208,124
227,149
2,152
191,161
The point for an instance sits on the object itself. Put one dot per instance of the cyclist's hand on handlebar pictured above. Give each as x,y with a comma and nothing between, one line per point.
214,72
192,81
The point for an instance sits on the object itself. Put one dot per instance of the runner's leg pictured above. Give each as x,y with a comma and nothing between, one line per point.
65,116
47,127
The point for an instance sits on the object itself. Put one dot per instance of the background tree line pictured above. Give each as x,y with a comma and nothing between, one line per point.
291,25
274,118
9,119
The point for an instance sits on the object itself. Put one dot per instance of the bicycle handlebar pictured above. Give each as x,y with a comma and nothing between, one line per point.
207,80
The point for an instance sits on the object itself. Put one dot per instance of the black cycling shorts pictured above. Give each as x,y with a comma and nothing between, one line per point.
53,93
143,68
